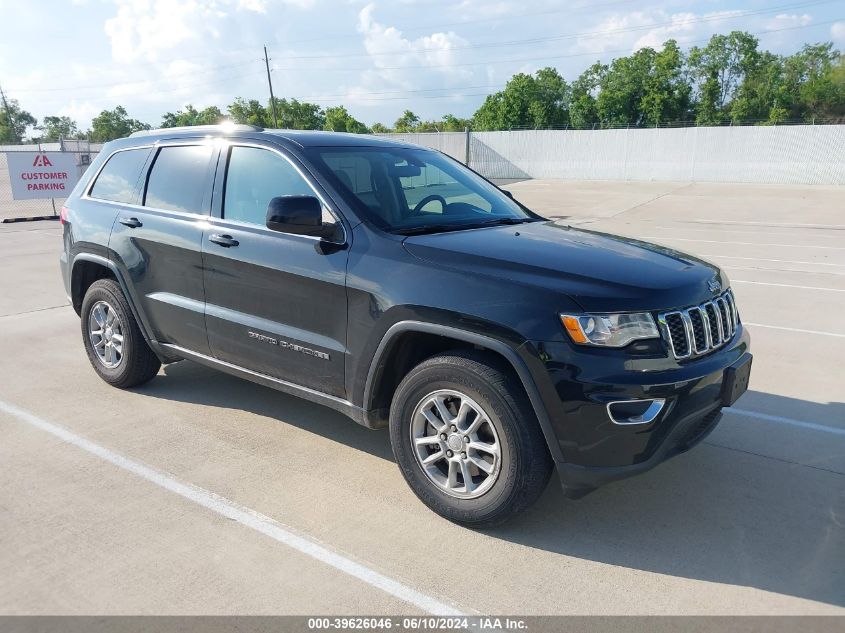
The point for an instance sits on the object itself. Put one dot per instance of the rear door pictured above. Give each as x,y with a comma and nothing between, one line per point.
275,302
158,243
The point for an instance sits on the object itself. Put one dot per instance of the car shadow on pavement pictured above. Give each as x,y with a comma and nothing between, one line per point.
718,513
188,382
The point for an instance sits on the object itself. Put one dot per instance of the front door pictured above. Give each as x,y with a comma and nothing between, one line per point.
275,302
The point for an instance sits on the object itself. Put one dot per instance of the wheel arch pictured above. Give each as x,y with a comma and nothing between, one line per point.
392,351
88,268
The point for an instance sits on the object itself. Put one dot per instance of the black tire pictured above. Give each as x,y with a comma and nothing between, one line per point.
138,364
525,465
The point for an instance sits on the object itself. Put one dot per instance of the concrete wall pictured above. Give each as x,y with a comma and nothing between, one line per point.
804,154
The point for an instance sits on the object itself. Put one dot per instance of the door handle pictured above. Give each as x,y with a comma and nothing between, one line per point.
132,223
223,240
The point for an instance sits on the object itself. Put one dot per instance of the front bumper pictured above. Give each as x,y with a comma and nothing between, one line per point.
592,449
685,433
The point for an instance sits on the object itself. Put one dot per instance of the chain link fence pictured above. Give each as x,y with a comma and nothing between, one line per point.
16,210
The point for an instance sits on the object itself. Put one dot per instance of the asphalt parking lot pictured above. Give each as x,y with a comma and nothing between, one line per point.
203,494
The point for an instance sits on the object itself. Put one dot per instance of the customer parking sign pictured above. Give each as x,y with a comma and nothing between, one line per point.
42,174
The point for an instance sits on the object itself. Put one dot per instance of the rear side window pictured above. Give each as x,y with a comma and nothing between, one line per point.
116,181
179,178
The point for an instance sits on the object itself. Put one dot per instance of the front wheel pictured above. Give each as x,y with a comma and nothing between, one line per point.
466,439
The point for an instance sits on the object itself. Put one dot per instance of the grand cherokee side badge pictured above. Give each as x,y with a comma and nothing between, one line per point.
288,345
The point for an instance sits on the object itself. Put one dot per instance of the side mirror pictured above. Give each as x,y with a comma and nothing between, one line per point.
301,215
507,193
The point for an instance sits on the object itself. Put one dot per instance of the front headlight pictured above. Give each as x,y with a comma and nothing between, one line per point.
609,330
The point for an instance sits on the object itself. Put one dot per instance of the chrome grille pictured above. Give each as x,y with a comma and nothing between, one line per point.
699,330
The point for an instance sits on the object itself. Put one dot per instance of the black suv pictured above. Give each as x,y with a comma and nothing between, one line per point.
393,284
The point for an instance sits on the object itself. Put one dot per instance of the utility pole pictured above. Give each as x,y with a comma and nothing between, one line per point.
270,83
8,112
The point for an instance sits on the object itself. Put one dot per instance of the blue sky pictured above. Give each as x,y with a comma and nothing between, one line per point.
379,57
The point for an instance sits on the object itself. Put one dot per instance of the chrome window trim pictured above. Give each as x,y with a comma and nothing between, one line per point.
86,195
226,144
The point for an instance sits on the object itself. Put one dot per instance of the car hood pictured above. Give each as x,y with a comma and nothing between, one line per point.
601,272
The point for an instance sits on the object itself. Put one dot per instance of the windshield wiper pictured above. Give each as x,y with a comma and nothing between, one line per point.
438,228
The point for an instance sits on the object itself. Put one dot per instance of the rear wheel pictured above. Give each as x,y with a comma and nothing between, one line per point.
113,341
466,439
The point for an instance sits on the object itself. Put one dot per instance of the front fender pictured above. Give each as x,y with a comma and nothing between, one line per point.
505,349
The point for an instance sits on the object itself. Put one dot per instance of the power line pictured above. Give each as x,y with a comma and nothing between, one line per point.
543,57
138,81
554,38
428,27
411,67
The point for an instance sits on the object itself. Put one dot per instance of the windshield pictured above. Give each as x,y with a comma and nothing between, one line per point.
414,190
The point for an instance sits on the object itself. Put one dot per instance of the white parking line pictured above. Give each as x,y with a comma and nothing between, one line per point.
766,283
780,261
791,421
793,329
785,270
757,232
689,239
243,515
834,227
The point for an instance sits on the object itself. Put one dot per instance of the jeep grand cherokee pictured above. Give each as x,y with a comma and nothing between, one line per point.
393,284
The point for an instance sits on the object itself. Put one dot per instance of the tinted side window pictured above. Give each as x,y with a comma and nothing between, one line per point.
253,178
179,178
116,182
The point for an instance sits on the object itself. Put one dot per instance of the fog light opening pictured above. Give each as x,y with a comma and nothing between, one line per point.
635,411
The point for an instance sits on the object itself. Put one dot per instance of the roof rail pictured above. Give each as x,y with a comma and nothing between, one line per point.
222,127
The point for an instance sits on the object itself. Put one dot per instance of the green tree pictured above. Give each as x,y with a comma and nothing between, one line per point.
339,120
815,75
14,122
763,95
622,89
667,93
583,108
408,122
297,115
540,100
191,116
249,113
379,128
58,127
718,69
112,124
455,124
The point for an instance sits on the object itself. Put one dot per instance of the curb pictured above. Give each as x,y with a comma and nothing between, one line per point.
32,219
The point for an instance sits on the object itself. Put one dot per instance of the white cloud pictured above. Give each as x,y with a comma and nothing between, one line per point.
149,29
80,111
624,32
256,6
390,52
837,32
785,20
